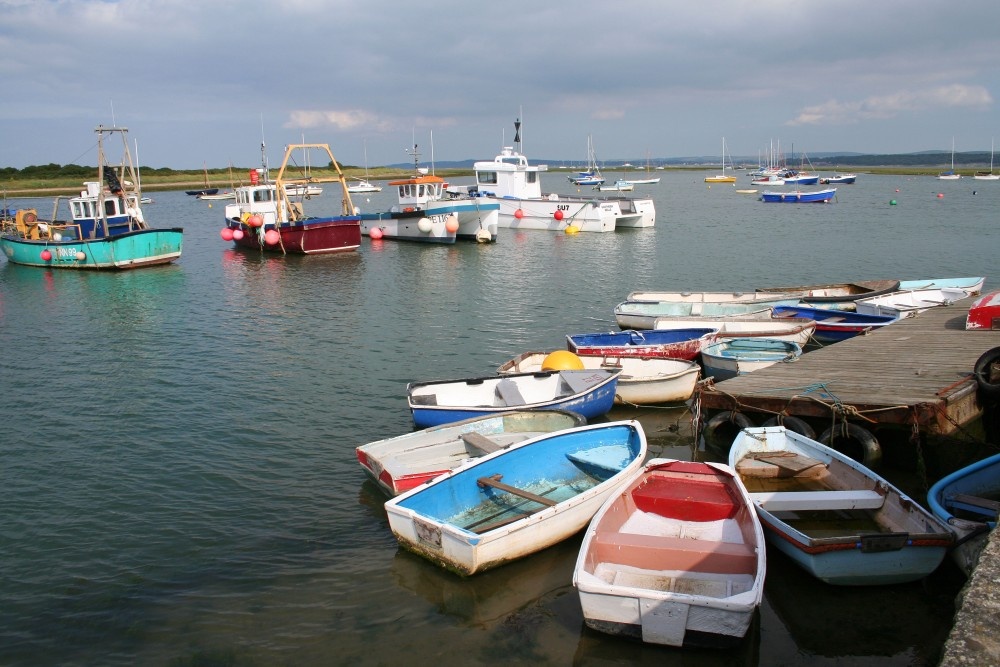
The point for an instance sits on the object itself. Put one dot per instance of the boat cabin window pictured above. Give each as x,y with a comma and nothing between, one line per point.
83,209
262,195
110,207
531,176
486,177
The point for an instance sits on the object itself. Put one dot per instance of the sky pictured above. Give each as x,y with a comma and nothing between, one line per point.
202,82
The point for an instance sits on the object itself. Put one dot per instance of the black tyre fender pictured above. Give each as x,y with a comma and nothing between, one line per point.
984,375
722,429
791,423
854,441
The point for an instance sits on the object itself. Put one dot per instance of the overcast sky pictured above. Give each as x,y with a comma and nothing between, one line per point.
199,81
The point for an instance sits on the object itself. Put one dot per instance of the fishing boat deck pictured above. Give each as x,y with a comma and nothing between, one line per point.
918,371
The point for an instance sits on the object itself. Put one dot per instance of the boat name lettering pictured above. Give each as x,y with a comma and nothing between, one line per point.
562,207
66,252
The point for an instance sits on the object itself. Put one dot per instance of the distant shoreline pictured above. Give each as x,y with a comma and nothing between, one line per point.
71,187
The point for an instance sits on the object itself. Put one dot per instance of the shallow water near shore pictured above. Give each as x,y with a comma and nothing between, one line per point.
177,458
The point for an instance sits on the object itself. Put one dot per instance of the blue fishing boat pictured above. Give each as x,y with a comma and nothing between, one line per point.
651,344
738,356
968,501
834,325
590,393
834,517
798,196
519,500
106,229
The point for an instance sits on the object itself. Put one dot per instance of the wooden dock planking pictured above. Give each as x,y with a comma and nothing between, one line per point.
920,366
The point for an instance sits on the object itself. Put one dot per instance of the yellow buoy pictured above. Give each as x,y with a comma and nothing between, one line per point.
562,360
572,229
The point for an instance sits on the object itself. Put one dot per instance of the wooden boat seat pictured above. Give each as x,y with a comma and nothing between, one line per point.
508,393
424,399
975,504
480,444
652,552
779,501
832,319
778,464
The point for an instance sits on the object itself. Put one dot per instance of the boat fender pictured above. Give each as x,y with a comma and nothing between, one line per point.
854,441
791,423
986,378
722,429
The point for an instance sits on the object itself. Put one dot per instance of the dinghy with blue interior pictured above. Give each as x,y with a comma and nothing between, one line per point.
519,500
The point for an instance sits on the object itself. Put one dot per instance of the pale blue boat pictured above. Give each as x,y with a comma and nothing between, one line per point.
968,501
831,515
106,229
731,357
519,500
642,314
972,285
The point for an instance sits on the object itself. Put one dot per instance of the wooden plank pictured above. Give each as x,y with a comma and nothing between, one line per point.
480,442
786,501
494,481
975,504
789,462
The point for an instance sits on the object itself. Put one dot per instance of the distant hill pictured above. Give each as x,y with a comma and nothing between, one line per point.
931,158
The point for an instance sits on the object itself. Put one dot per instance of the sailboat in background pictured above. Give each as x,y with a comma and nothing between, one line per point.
723,177
950,175
982,175
649,180
363,184
593,174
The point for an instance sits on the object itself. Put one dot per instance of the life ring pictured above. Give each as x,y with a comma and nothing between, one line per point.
984,374
856,442
30,217
791,423
722,429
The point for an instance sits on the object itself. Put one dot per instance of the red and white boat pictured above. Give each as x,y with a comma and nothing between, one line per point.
677,557
984,313
264,215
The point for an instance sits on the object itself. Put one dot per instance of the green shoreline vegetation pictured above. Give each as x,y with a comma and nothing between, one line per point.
53,179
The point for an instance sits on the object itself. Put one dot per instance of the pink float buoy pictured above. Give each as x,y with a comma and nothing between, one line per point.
940,195
271,237
46,255
237,234
226,234
518,214
375,233
255,221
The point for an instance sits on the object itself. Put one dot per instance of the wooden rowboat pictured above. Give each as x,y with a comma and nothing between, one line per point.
834,517
676,557
406,461
519,500
643,381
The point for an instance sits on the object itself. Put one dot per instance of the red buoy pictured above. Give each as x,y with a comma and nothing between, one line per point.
518,214
558,215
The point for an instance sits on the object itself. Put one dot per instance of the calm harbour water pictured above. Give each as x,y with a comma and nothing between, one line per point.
177,458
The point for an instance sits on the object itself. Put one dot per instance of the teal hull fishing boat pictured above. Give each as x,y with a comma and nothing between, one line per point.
106,229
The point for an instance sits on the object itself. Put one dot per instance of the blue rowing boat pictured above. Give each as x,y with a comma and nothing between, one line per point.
968,501
834,325
798,197
590,393
519,500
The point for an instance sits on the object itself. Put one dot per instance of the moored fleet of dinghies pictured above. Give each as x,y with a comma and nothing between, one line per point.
673,551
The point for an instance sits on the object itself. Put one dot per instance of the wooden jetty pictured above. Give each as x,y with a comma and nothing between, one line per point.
917,372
